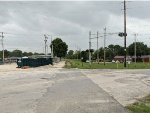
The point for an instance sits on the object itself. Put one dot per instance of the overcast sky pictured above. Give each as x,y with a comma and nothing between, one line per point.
25,23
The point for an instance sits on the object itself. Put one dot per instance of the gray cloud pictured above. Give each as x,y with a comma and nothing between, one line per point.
28,21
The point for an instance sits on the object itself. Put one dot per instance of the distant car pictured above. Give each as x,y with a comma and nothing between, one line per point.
129,62
121,61
87,61
113,61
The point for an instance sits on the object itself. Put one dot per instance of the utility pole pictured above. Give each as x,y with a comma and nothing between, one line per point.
90,47
97,49
76,46
80,53
125,34
104,45
47,49
90,38
3,46
52,48
45,44
135,49
43,49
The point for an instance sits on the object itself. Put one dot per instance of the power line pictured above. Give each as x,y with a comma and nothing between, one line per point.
9,33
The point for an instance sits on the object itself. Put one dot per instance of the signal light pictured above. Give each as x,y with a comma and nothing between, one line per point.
121,34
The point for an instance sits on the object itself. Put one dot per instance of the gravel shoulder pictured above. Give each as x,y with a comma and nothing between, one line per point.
126,86
21,88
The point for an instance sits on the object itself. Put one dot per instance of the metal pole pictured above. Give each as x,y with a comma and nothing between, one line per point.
125,34
97,49
77,51
80,53
52,48
52,51
3,48
45,45
104,45
90,47
47,49
135,50
43,49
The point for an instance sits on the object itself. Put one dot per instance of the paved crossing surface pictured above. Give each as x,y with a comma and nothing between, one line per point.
73,92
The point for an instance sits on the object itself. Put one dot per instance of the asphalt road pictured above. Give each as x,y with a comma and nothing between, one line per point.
73,92
53,90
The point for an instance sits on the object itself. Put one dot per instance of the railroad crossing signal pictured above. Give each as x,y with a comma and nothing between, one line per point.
121,34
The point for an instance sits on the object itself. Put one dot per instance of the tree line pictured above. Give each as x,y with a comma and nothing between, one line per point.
60,49
111,52
17,53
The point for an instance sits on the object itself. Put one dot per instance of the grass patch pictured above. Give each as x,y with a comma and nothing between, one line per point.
143,106
83,65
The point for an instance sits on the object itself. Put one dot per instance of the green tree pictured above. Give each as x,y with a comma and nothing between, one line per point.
84,56
60,48
111,51
118,50
70,54
148,51
101,53
77,55
16,53
1,54
109,54
27,53
114,50
95,55
6,53
30,53
35,53
141,49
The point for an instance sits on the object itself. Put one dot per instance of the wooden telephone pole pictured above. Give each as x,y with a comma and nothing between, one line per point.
125,34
